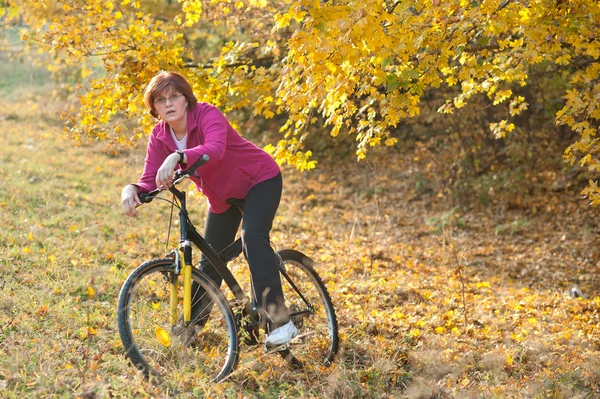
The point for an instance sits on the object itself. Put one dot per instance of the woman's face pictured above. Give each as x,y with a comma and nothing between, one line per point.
171,106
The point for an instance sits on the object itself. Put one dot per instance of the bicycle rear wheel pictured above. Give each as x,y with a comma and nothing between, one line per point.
158,347
311,310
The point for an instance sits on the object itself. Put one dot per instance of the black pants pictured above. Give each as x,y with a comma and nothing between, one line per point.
260,207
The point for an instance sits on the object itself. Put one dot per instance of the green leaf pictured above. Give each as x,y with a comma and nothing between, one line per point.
392,82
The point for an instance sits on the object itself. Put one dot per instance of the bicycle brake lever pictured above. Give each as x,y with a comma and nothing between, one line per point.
179,176
182,174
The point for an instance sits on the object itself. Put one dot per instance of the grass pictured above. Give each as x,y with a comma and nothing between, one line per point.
65,250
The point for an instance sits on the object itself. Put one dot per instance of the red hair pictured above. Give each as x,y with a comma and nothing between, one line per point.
163,81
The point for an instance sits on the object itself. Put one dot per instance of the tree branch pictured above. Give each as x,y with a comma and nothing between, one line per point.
91,54
265,62
393,7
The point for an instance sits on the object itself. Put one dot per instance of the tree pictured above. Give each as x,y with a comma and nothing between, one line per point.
360,67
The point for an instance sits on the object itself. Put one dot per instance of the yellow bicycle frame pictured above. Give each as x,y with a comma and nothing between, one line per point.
187,292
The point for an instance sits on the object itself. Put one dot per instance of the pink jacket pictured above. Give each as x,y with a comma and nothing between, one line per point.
235,164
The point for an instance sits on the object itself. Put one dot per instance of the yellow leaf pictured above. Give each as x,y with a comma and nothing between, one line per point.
563,59
90,292
398,315
30,236
162,336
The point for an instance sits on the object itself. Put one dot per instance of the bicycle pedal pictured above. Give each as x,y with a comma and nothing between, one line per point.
278,348
291,342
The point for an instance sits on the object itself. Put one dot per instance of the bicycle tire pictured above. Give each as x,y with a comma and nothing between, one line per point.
163,350
319,330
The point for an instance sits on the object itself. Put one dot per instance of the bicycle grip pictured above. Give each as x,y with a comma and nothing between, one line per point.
203,159
146,198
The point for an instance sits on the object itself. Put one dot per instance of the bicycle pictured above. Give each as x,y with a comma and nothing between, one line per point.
155,307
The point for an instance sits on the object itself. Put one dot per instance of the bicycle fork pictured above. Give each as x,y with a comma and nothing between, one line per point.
185,268
184,263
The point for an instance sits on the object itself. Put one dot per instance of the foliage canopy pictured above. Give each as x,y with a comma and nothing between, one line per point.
358,67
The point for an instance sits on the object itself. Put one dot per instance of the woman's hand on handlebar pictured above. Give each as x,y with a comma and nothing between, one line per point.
164,176
130,200
131,197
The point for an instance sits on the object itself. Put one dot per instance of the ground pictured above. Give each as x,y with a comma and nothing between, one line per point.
433,300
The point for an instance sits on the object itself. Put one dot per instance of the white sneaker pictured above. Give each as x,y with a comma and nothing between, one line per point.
281,335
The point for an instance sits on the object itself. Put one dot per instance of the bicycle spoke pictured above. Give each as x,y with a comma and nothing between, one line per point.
312,314
207,346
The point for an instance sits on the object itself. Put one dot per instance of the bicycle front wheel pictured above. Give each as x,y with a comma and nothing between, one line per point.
177,353
310,308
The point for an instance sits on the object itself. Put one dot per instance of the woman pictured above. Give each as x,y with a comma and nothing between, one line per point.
185,131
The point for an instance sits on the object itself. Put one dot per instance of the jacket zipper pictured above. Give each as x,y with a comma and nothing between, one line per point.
207,186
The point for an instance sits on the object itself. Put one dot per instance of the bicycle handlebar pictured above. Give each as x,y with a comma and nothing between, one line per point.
179,176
